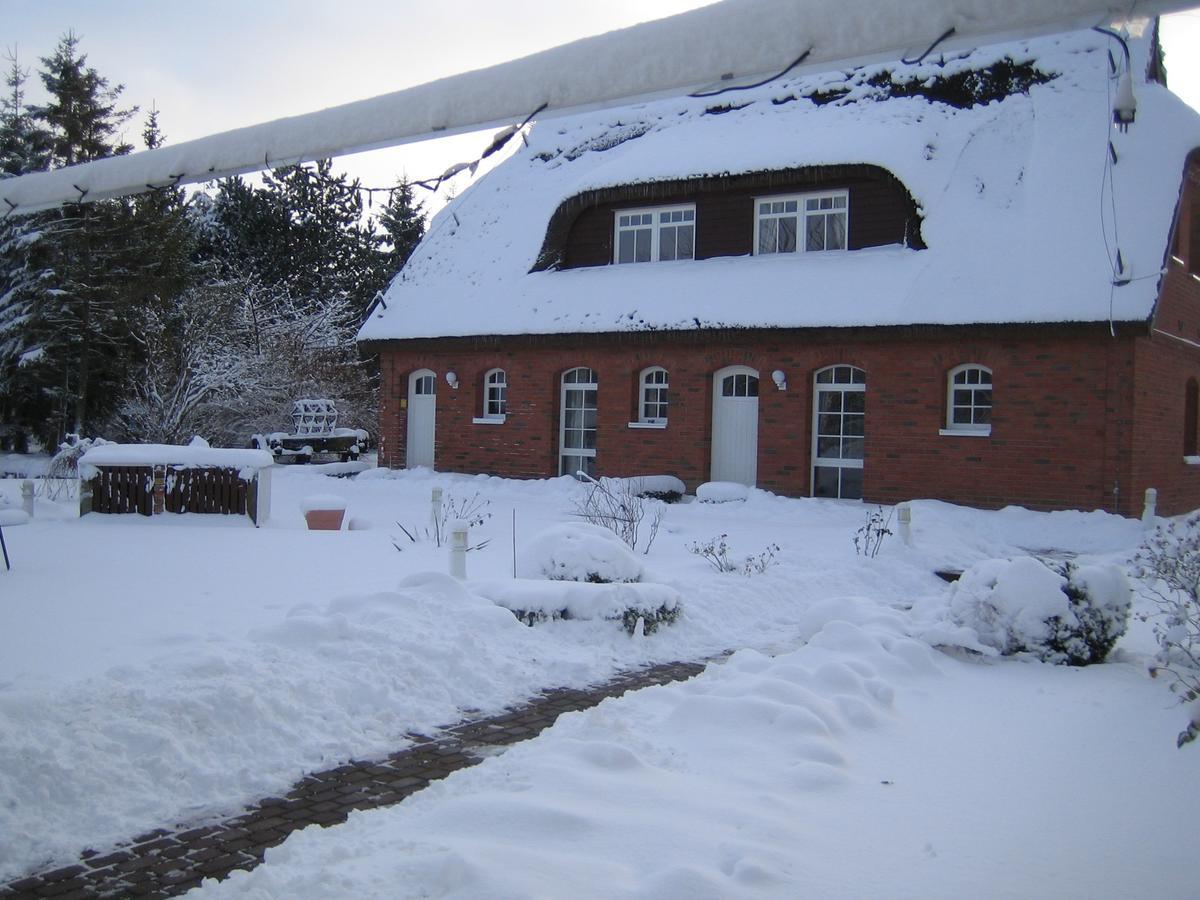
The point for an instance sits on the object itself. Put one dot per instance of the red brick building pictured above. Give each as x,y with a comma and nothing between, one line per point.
951,279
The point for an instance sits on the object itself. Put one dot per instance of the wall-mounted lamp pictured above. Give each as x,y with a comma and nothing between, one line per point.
780,379
452,380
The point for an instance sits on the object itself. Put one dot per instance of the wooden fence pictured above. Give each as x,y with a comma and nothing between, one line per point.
207,490
123,489
180,489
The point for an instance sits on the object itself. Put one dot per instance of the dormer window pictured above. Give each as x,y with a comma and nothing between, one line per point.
801,223
651,235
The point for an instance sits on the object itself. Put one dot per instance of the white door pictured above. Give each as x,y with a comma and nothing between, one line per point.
839,432
577,423
422,413
735,425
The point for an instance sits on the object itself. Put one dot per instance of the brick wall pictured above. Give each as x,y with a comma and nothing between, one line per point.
1164,363
1063,414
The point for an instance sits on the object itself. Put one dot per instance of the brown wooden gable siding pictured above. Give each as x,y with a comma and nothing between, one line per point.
881,212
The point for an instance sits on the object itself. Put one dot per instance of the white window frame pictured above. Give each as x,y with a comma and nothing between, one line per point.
967,428
656,226
645,386
490,416
801,214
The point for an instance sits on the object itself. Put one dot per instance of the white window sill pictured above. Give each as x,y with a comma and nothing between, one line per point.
963,432
1192,460
489,420
647,424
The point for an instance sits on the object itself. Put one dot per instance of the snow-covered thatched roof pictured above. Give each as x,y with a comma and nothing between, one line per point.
1023,210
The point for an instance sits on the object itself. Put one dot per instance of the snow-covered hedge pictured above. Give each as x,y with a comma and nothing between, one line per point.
657,487
1062,614
721,492
577,551
534,600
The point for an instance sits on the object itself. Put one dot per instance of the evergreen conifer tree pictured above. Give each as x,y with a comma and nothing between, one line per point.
83,319
24,250
403,221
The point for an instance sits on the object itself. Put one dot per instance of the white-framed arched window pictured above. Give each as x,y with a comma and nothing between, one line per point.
495,394
969,399
653,383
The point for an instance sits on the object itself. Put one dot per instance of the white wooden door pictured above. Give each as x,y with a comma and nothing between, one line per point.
422,414
735,425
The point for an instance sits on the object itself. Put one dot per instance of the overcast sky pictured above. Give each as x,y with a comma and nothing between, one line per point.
213,65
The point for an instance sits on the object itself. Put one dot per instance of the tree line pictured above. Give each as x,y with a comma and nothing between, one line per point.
157,317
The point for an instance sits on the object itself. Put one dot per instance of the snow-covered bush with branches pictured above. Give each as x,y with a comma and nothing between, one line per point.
1169,562
62,474
578,551
1058,612
619,505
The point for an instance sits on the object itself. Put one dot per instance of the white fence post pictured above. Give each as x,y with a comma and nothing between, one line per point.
1148,509
904,523
458,548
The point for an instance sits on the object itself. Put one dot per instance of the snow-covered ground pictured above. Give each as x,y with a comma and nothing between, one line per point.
162,671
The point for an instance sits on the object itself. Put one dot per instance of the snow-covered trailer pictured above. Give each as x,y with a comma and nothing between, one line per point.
314,431
151,479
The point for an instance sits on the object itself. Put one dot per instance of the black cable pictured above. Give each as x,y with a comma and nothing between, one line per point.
745,87
912,62
1113,34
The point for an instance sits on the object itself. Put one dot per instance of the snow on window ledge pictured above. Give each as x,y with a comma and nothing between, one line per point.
1192,460
489,420
966,432
647,424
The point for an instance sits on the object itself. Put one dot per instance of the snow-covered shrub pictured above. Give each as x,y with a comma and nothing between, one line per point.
869,538
578,551
62,475
715,551
666,488
722,492
618,505
473,510
1065,614
1170,563
537,601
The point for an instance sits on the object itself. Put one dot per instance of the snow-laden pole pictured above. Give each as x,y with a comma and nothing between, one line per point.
1149,507
458,548
904,523
708,50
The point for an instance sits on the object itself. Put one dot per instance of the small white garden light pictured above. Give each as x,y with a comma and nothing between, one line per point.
780,379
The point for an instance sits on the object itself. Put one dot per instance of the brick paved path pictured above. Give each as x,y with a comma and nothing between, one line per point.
165,863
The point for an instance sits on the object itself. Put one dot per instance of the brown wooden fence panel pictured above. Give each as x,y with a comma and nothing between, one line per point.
205,490
123,489
130,489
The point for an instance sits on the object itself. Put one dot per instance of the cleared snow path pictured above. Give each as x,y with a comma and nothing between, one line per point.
167,863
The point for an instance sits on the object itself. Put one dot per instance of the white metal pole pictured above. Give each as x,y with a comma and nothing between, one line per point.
458,549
